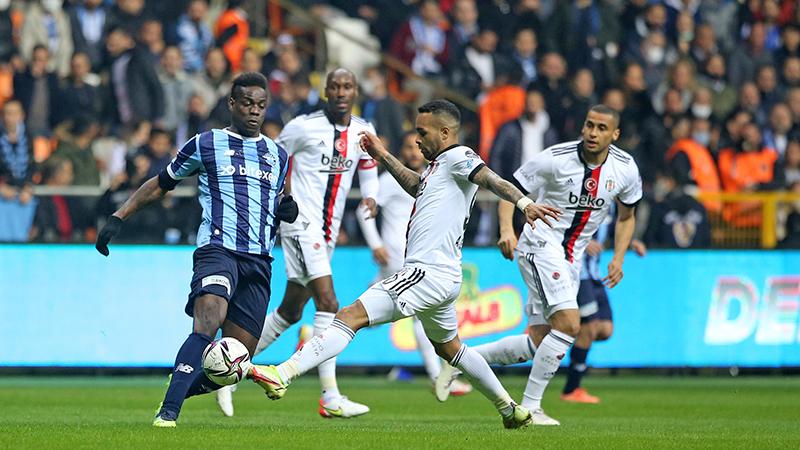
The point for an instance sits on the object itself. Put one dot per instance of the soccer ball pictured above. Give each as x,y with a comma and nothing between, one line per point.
226,361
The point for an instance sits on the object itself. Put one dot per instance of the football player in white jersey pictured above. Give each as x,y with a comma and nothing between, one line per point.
389,246
583,178
430,280
325,156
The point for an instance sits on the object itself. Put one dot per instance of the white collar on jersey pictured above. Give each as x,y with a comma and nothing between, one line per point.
236,135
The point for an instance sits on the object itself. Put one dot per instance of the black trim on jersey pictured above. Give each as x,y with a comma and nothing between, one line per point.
447,149
619,154
519,186
537,280
475,171
583,161
578,218
166,182
631,205
357,119
563,150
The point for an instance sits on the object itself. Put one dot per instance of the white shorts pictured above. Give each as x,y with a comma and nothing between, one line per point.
552,285
307,257
414,291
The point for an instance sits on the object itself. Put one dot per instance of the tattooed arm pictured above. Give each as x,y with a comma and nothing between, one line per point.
487,179
407,178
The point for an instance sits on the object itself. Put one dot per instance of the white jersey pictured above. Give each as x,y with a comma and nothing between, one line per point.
441,211
559,177
324,158
396,205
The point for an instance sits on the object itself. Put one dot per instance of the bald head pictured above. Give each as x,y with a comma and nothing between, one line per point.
339,73
341,90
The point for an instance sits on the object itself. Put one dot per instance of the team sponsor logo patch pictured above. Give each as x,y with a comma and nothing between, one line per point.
220,280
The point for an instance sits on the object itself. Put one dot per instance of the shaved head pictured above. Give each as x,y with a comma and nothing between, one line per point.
339,72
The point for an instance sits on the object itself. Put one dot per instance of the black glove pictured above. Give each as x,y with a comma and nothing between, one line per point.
287,210
112,228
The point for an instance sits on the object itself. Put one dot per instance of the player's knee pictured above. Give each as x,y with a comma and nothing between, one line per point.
209,314
327,302
290,315
604,332
570,327
354,316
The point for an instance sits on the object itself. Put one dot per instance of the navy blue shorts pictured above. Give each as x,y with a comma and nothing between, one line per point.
593,301
242,279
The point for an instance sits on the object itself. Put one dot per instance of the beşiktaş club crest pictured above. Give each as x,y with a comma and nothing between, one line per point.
590,184
340,146
609,184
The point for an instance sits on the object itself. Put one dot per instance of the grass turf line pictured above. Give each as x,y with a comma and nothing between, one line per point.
636,412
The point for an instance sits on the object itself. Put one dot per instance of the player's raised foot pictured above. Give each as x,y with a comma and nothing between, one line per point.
520,417
341,408
443,382
542,419
458,388
580,395
267,377
225,399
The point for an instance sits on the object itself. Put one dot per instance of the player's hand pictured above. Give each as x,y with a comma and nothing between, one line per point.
639,247
381,256
287,210
372,145
112,228
536,211
594,248
372,206
507,244
614,274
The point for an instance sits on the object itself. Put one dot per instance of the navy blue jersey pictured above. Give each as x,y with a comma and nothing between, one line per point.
241,180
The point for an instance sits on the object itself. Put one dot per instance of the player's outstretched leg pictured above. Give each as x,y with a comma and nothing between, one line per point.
508,350
276,379
477,370
433,364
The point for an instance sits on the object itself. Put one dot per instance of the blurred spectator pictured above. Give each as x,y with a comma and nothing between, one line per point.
793,100
151,40
499,106
380,109
78,94
792,239
655,56
7,46
214,82
691,163
681,78
196,120
577,104
790,74
37,90
127,14
676,219
723,95
153,157
574,30
768,88
177,88
702,103
251,61
791,165
284,106
48,25
749,167
76,148
524,54
135,90
684,33
306,95
284,42
776,134
232,32
421,43
553,85
704,45
657,135
193,36
749,55
525,14
463,27
88,21
641,21
16,158
476,71
57,216
791,44
629,136
289,64
637,101
734,127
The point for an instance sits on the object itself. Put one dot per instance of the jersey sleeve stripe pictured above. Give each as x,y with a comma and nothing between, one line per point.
475,171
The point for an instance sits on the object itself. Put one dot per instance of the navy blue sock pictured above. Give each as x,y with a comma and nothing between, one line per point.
577,368
188,366
202,385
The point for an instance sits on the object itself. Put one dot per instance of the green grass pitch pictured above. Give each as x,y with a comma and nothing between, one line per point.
636,412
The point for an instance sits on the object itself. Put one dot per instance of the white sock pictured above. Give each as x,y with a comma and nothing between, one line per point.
316,351
477,370
545,364
429,357
509,350
326,369
274,326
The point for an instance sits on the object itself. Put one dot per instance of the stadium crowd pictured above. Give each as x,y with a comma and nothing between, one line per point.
99,93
